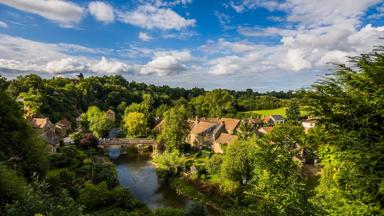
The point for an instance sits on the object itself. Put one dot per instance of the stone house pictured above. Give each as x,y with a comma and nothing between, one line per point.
309,124
273,119
47,130
222,141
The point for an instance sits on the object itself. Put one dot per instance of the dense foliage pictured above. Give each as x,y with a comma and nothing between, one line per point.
350,105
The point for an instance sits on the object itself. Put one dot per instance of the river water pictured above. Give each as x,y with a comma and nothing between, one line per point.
138,174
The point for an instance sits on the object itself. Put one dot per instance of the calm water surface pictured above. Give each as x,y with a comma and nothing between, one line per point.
139,175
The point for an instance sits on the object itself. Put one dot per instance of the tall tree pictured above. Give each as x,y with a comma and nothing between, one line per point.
175,128
98,121
135,124
350,106
19,145
293,111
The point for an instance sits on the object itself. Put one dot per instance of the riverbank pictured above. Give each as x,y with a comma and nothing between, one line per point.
186,187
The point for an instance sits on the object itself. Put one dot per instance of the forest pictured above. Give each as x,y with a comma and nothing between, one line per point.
256,175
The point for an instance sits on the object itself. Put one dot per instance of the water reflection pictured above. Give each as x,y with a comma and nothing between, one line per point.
139,175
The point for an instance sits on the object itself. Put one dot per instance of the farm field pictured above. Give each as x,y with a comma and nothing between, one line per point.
278,111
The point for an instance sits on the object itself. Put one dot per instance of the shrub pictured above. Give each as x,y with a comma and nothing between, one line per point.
95,196
213,164
168,212
89,140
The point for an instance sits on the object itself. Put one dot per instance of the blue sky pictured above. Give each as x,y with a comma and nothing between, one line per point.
236,44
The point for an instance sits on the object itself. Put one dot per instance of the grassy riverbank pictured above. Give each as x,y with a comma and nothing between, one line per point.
188,188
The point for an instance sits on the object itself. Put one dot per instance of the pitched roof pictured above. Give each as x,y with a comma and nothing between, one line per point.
225,138
40,122
266,129
266,119
254,121
64,123
158,125
230,123
278,117
202,126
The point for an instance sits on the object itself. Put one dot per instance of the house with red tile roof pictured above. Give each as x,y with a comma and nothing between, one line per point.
222,141
265,130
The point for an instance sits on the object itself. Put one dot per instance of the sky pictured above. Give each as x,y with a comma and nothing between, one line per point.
234,44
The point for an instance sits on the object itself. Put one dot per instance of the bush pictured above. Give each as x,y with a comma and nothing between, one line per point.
95,196
104,172
213,164
168,212
196,209
88,140
124,199
170,164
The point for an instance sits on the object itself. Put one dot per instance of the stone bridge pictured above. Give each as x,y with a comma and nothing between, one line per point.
123,145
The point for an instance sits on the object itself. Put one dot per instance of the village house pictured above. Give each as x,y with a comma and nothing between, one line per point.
206,131
158,126
222,141
308,124
273,119
47,131
254,122
265,130
62,127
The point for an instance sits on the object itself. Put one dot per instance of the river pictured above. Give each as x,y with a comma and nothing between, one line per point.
138,174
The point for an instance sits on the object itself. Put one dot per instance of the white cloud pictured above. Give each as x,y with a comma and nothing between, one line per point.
163,65
3,24
111,67
323,32
167,63
65,13
151,17
144,37
102,11
66,65
226,65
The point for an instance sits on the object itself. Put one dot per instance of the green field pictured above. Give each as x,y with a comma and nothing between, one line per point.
278,111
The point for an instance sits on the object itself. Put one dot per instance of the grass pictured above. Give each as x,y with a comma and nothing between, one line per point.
278,111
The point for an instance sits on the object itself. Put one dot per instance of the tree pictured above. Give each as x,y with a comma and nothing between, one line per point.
349,105
216,103
135,124
98,121
32,102
175,128
237,164
276,186
19,145
293,112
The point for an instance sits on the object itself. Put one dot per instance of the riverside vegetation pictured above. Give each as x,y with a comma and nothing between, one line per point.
255,175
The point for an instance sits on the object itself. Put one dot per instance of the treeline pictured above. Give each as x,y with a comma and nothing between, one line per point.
69,97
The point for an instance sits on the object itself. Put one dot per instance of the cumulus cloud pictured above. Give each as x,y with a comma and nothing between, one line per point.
151,17
101,11
111,67
66,65
144,37
167,63
65,13
163,65
324,32
3,24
